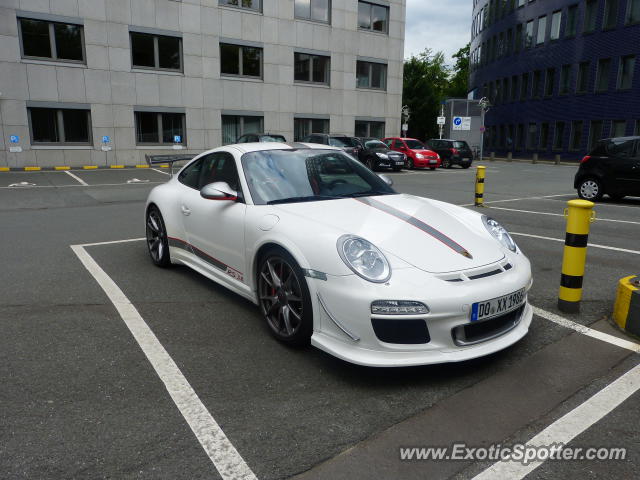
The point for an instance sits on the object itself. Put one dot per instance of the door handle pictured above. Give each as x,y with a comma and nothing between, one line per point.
186,211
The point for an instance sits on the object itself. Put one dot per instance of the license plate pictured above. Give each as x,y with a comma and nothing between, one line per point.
465,159
433,161
399,162
497,306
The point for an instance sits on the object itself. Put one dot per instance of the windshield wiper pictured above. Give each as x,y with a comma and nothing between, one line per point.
312,198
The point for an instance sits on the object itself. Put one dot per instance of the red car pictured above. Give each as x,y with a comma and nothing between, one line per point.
417,154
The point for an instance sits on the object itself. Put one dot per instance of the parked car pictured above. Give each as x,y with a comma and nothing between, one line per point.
417,154
336,258
452,152
375,154
261,137
347,144
612,168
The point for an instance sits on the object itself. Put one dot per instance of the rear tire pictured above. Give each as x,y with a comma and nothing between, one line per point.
466,165
590,189
157,241
284,298
432,168
446,163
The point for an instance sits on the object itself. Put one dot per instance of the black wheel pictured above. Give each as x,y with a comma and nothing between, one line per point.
590,189
432,168
284,297
157,241
410,163
371,164
616,196
466,165
446,163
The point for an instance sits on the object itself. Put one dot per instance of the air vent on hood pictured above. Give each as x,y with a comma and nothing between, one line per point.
477,273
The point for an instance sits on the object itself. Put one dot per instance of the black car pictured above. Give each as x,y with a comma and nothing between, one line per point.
348,144
375,154
452,152
261,137
612,168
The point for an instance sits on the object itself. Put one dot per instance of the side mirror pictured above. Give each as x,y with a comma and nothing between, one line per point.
386,179
218,191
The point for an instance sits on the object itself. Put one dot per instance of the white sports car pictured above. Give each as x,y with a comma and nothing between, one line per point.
335,257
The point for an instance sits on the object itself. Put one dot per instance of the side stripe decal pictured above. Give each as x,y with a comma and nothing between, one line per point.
438,235
232,272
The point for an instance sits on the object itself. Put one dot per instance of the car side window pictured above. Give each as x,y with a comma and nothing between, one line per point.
220,168
190,176
389,142
622,149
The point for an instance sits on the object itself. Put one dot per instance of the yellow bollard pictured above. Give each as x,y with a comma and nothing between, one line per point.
480,172
579,215
626,310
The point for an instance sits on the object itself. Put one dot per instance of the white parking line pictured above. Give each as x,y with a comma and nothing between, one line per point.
160,171
538,197
565,429
215,443
590,332
75,177
594,245
78,185
112,242
562,215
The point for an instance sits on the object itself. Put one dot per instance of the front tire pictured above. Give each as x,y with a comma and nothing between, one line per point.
446,163
410,164
284,298
590,189
432,168
157,241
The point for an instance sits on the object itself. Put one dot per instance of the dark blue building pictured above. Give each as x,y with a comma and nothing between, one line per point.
560,74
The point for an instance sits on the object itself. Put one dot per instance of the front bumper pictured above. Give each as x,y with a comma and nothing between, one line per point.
343,325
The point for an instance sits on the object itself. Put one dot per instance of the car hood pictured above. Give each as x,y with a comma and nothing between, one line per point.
425,152
433,236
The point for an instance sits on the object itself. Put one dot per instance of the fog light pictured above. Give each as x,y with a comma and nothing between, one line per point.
398,307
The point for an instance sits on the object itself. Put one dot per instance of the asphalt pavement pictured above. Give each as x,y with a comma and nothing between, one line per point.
81,399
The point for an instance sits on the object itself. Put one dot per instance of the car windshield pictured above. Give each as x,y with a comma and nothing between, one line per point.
373,144
289,176
459,144
273,138
340,142
414,144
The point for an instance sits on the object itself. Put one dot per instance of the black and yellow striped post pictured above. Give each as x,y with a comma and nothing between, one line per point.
579,215
480,173
626,311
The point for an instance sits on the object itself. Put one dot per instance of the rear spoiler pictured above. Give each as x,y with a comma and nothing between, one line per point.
168,159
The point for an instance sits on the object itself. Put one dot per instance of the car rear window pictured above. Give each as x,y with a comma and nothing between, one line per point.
460,144
273,138
340,142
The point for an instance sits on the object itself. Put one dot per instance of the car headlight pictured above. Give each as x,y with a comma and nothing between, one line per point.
382,155
364,258
499,232
419,155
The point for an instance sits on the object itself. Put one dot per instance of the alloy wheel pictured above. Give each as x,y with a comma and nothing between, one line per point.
156,237
589,189
281,297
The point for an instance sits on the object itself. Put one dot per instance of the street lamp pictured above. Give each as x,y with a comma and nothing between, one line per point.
484,105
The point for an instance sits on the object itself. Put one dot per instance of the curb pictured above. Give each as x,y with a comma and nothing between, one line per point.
626,311
84,167
528,161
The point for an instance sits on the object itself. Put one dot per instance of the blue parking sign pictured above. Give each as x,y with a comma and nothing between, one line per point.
457,121
14,138
177,139
105,139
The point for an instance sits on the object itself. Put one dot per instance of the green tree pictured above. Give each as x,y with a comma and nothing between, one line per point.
459,81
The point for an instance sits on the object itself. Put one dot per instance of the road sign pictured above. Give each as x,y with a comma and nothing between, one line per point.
105,139
441,120
177,139
14,138
461,123
405,126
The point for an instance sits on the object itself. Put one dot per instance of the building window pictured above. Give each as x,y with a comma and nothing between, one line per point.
520,137
518,45
371,75
369,129
316,10
246,4
625,72
509,46
556,19
311,68
549,82
528,37
532,134
582,82
303,127
537,81
576,135
240,60
514,88
159,52
572,21
544,137
60,126
633,11
51,40
234,126
618,128
373,17
610,14
565,78
523,86
542,30
602,74
160,128
595,133
637,130
558,136
590,15
521,3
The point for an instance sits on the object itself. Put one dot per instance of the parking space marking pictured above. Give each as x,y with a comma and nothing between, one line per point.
160,171
562,215
594,245
75,177
565,429
590,332
537,197
225,458
96,185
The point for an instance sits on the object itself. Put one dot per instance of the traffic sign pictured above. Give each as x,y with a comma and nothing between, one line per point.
461,123
177,139
441,120
105,139
405,126
14,138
